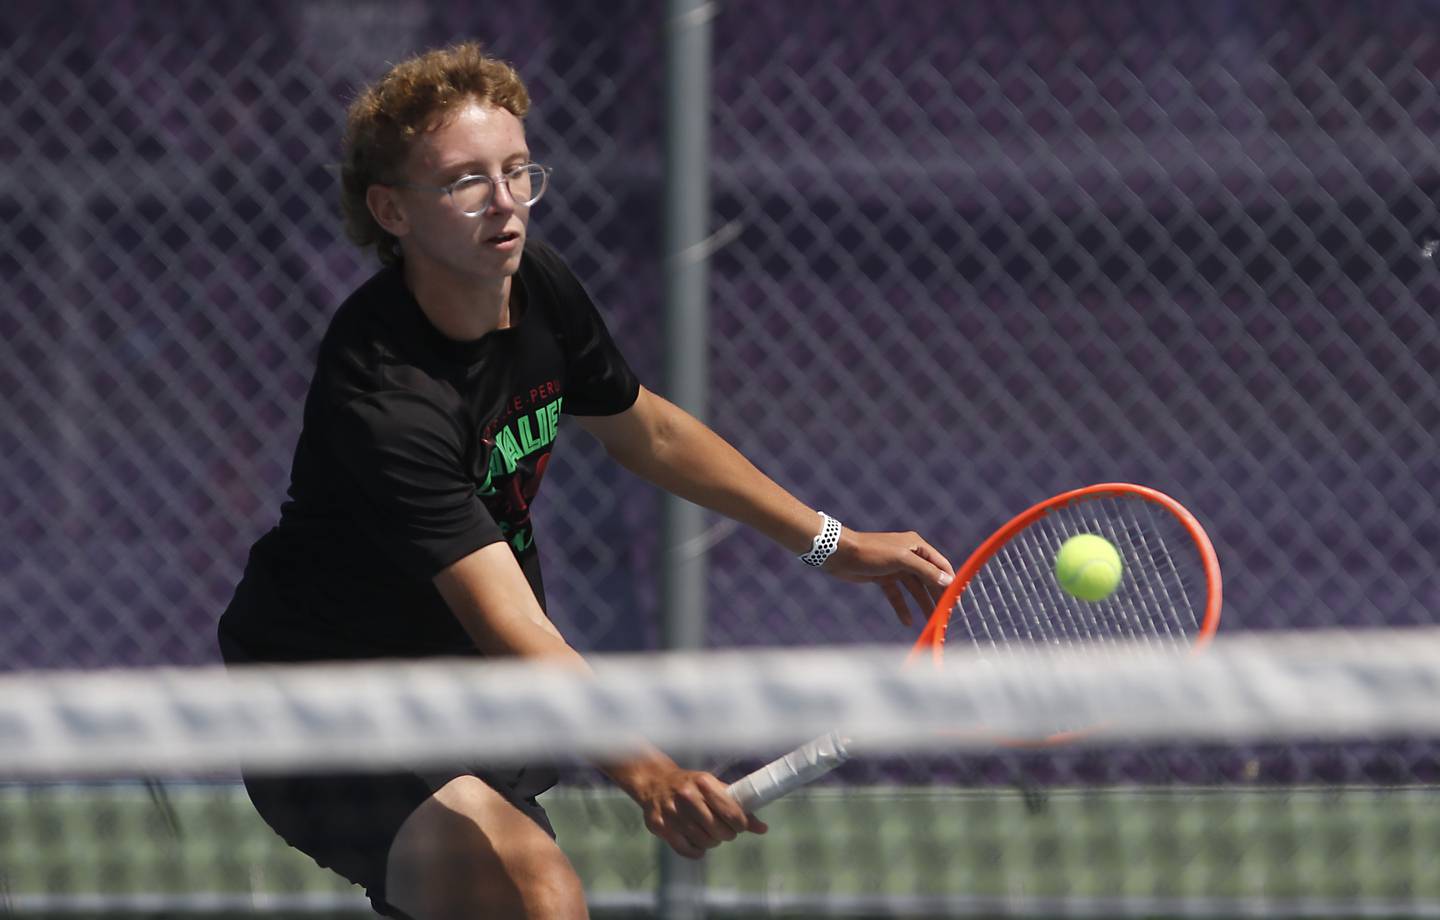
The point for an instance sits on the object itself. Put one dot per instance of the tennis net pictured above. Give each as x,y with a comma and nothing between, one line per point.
1270,775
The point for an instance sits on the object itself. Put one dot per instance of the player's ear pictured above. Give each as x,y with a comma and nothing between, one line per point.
385,206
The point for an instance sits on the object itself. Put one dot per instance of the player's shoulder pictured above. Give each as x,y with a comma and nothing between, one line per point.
373,344
361,317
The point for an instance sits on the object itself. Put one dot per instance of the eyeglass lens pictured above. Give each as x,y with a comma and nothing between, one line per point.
526,185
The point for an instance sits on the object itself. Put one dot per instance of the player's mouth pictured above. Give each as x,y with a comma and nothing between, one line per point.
505,242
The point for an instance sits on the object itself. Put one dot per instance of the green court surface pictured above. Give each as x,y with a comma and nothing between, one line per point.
198,849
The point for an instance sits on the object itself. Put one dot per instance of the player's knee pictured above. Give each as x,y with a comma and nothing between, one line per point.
535,888
554,892
542,879
468,853
525,889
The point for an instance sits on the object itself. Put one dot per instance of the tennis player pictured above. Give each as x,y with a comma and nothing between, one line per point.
428,426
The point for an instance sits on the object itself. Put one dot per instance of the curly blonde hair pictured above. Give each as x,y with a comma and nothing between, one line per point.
414,96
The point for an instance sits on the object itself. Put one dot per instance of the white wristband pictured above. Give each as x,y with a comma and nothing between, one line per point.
825,542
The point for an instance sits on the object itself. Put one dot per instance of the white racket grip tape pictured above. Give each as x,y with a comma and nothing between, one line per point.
785,774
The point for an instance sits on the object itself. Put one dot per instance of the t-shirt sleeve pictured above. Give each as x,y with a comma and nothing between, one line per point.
412,495
598,379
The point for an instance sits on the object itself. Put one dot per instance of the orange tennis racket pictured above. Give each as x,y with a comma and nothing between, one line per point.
1007,595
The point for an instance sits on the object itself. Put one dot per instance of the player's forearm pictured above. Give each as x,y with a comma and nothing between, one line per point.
493,602
688,459
490,596
635,774
518,638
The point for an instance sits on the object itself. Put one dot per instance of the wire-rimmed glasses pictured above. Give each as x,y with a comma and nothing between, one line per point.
474,194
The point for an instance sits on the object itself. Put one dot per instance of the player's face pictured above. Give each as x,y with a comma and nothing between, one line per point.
478,140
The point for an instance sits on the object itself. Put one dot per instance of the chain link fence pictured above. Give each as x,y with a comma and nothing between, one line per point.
988,253
968,256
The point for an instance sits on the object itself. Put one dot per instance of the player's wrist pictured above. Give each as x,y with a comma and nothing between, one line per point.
638,775
825,542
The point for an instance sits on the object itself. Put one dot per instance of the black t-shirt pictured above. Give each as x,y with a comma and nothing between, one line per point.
416,451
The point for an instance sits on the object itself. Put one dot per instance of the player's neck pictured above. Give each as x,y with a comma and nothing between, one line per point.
462,308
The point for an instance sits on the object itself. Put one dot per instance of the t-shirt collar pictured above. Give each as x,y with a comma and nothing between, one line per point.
437,342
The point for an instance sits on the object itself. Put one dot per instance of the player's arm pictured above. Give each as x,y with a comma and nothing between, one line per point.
489,594
492,599
661,442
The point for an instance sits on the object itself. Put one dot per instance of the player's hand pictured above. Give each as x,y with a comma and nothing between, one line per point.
691,810
900,563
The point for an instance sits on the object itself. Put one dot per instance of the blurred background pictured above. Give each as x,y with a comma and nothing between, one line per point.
970,255
967,255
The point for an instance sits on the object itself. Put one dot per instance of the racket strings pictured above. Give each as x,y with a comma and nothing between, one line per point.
1174,593
1049,613
1169,603
1189,587
1139,607
1016,598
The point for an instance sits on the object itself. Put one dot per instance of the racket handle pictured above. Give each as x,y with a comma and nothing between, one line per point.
783,775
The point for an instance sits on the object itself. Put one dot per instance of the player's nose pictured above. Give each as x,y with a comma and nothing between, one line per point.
501,199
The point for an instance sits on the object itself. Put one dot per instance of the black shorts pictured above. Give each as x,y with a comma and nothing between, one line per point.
347,821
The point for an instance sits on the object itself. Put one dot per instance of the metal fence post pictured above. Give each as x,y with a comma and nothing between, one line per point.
686,229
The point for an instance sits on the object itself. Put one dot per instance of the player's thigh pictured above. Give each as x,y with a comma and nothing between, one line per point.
468,852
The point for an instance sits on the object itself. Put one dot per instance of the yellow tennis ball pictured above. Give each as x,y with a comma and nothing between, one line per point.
1088,567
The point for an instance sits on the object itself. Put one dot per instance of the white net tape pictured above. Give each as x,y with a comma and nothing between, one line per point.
1312,685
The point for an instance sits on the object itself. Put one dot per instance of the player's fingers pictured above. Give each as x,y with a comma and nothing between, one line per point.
920,591
702,826
755,826
681,844
722,804
701,841
670,832
712,833
897,600
692,841
924,565
935,591
936,558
